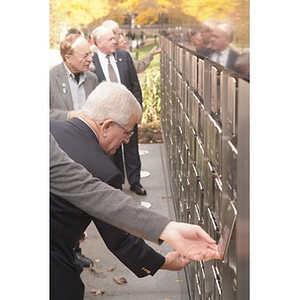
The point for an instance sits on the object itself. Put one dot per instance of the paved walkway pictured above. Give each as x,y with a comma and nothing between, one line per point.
164,285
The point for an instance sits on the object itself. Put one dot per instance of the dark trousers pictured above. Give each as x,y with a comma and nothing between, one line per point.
131,157
65,281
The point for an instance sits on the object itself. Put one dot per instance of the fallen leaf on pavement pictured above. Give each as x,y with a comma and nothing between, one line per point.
117,280
97,292
122,280
94,269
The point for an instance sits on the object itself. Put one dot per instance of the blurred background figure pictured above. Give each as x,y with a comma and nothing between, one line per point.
221,50
140,64
206,32
197,41
243,64
74,30
201,38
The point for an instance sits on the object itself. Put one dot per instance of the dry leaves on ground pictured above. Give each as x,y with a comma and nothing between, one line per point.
97,291
93,269
121,280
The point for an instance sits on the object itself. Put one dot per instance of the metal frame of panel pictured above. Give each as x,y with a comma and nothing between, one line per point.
205,123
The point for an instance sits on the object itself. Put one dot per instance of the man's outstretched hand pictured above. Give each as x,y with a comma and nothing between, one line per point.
175,261
191,241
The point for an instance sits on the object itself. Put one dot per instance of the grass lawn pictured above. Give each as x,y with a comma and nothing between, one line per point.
145,50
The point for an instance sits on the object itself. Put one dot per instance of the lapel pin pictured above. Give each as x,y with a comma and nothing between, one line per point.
64,88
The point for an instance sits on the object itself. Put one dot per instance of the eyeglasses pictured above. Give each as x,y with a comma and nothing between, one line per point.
128,133
85,56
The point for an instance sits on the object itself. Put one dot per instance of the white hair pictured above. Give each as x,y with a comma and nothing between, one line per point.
111,100
100,32
229,31
111,24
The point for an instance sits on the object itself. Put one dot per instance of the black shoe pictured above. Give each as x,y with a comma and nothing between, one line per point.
82,260
138,189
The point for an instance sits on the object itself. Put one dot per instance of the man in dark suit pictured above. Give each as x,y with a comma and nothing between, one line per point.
117,65
107,121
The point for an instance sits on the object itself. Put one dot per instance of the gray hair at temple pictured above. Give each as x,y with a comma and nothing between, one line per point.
227,29
111,100
100,32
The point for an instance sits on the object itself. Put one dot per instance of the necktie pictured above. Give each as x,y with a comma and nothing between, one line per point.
77,77
111,72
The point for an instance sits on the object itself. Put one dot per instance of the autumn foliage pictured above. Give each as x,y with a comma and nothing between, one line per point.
90,13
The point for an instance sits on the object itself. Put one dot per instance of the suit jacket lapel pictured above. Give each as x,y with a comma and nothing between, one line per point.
231,60
64,87
98,69
88,87
120,64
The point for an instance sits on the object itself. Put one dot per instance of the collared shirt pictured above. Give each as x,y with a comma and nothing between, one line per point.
222,56
77,90
104,65
89,126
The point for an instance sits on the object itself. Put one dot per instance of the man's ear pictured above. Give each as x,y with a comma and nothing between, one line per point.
106,126
67,58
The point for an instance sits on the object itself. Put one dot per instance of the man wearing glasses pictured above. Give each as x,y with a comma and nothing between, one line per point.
70,84
117,66
106,122
71,81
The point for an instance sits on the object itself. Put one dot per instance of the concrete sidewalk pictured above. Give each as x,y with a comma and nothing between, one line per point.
164,285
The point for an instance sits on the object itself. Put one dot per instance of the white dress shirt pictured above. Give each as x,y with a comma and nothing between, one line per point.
104,65
221,57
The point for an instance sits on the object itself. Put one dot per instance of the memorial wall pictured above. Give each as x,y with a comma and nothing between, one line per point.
205,123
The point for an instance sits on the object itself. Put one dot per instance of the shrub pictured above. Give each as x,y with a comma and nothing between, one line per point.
150,85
